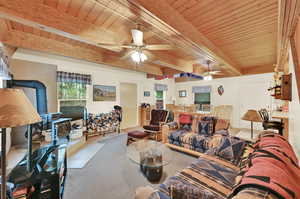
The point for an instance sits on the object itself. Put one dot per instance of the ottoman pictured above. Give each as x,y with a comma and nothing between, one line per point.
136,135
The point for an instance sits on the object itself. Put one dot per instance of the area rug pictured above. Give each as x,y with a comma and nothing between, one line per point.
82,157
110,174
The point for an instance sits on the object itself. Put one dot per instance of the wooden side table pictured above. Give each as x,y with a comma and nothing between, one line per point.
284,117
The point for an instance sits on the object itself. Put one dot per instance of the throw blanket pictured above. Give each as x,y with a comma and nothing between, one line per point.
272,166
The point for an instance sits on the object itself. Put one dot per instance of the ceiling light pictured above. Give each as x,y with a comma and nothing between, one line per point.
208,77
138,57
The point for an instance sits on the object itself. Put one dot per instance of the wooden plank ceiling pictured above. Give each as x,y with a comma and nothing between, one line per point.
240,37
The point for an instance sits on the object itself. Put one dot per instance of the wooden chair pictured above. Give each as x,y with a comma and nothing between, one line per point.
157,120
270,124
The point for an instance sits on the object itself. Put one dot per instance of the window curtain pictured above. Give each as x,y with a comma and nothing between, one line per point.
160,87
4,71
73,77
201,89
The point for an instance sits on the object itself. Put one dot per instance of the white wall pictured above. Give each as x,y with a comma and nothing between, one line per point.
243,93
294,111
101,75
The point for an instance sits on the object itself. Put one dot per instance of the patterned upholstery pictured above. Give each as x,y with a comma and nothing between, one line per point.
230,149
205,128
210,179
221,124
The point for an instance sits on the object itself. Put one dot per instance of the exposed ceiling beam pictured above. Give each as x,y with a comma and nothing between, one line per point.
170,61
33,42
35,14
169,15
39,16
288,17
258,69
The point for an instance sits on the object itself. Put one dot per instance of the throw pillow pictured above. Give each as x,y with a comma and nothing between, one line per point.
205,128
221,125
185,119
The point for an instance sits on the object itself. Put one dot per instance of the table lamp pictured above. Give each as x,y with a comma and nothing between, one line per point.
252,116
15,110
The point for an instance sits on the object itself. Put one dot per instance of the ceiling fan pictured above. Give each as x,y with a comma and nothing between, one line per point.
208,75
139,51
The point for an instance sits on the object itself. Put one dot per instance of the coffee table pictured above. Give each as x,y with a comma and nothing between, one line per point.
151,156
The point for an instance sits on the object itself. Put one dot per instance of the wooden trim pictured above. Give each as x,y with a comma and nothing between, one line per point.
295,49
287,21
161,11
258,69
202,155
33,42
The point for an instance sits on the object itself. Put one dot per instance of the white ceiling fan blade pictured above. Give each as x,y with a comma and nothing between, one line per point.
215,72
127,54
159,47
128,46
137,37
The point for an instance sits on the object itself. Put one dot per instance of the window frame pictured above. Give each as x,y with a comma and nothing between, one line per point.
71,99
199,106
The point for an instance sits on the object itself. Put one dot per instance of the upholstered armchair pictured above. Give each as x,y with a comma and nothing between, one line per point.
157,119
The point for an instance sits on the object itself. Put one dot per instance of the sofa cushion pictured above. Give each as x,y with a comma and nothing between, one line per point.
205,128
183,191
158,116
221,124
176,135
210,178
230,149
151,127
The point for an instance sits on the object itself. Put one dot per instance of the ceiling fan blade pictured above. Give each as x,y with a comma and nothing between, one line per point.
127,54
215,72
159,47
128,46
149,55
137,37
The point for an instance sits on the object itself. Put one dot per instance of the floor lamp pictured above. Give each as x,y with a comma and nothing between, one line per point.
15,110
252,116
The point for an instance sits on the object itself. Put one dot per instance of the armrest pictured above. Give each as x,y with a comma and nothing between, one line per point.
172,125
165,130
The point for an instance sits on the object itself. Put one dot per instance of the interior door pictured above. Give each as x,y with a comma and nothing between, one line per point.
258,100
128,98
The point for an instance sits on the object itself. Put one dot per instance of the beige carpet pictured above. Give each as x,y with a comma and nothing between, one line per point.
82,157
111,175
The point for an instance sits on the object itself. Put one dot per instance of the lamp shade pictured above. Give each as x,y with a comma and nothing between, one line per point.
252,115
16,109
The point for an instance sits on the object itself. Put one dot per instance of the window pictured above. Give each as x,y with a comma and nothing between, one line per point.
72,88
202,100
160,99
72,94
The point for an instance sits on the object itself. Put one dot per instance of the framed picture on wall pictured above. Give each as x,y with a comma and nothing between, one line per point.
182,93
146,93
104,93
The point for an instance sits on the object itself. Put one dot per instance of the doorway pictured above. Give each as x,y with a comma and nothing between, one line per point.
128,101
160,102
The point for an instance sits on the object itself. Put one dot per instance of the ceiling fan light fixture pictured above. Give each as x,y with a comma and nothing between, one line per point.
138,57
208,77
